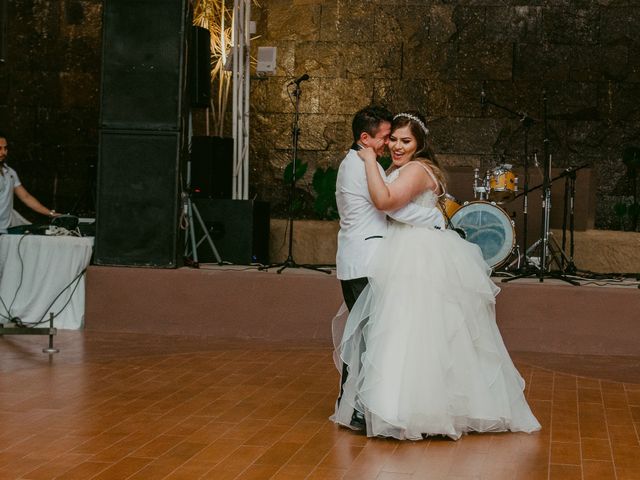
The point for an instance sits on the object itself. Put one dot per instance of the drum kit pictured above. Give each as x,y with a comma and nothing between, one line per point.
483,220
485,223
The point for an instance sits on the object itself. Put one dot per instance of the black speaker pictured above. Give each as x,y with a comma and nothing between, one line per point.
143,64
138,201
239,229
200,67
211,167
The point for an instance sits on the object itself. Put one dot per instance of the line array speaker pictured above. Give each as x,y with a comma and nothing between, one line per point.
138,199
143,107
142,64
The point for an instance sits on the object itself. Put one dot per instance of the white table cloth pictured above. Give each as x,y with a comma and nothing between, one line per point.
49,264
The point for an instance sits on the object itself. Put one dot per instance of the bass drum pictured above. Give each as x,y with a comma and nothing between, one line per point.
489,227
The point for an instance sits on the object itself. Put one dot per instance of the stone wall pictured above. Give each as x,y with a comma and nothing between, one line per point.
429,55
49,97
435,57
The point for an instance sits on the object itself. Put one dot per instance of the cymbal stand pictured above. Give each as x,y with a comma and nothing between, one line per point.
569,196
527,122
546,242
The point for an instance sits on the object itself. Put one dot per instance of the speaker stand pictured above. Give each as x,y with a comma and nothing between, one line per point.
191,210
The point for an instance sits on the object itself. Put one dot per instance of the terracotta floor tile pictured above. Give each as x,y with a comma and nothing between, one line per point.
619,416
292,472
279,453
565,472
326,474
569,432
596,449
627,473
596,470
589,395
202,408
84,470
565,453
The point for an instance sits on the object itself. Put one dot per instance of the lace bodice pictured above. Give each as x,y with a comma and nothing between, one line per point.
426,199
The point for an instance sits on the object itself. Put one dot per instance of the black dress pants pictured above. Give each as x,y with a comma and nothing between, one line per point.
351,290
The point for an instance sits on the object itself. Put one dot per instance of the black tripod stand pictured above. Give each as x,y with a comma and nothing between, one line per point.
546,242
295,133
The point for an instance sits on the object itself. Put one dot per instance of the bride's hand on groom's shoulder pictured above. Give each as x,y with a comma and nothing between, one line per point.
367,153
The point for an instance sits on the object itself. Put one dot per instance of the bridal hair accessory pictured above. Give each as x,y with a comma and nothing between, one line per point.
415,119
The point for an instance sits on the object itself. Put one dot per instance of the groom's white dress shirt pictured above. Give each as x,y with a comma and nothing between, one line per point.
362,226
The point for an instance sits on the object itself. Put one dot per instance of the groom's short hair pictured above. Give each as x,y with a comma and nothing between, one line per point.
369,119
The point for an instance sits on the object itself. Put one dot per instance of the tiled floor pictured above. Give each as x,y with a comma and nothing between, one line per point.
140,407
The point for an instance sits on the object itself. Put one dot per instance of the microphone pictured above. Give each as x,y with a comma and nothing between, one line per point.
299,80
535,159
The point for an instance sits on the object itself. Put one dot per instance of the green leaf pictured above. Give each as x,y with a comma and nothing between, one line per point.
324,184
301,169
620,209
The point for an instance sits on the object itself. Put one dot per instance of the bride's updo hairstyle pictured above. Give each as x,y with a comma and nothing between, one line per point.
418,126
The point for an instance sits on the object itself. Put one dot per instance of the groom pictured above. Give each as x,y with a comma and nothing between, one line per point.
361,224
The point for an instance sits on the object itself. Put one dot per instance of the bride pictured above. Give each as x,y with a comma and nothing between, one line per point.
423,352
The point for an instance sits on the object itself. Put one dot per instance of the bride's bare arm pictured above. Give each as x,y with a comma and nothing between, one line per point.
411,182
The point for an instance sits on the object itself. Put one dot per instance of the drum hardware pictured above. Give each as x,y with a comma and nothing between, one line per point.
569,209
546,243
480,187
527,122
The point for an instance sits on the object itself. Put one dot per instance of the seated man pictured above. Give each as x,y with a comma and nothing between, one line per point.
10,184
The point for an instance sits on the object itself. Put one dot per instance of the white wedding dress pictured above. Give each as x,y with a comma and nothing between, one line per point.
423,350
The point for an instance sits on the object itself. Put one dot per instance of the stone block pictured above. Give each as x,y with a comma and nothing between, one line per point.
470,22
513,24
442,26
79,89
464,135
285,21
615,62
359,62
430,60
314,242
618,24
402,24
345,22
323,59
619,101
35,88
400,95
572,100
484,60
573,26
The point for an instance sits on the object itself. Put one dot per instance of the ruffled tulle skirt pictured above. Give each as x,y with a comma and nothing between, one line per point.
421,345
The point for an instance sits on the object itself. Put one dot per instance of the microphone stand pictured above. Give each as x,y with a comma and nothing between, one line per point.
295,132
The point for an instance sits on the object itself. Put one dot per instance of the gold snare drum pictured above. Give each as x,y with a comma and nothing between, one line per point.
503,184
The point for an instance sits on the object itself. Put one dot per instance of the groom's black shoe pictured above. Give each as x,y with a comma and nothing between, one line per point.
358,422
